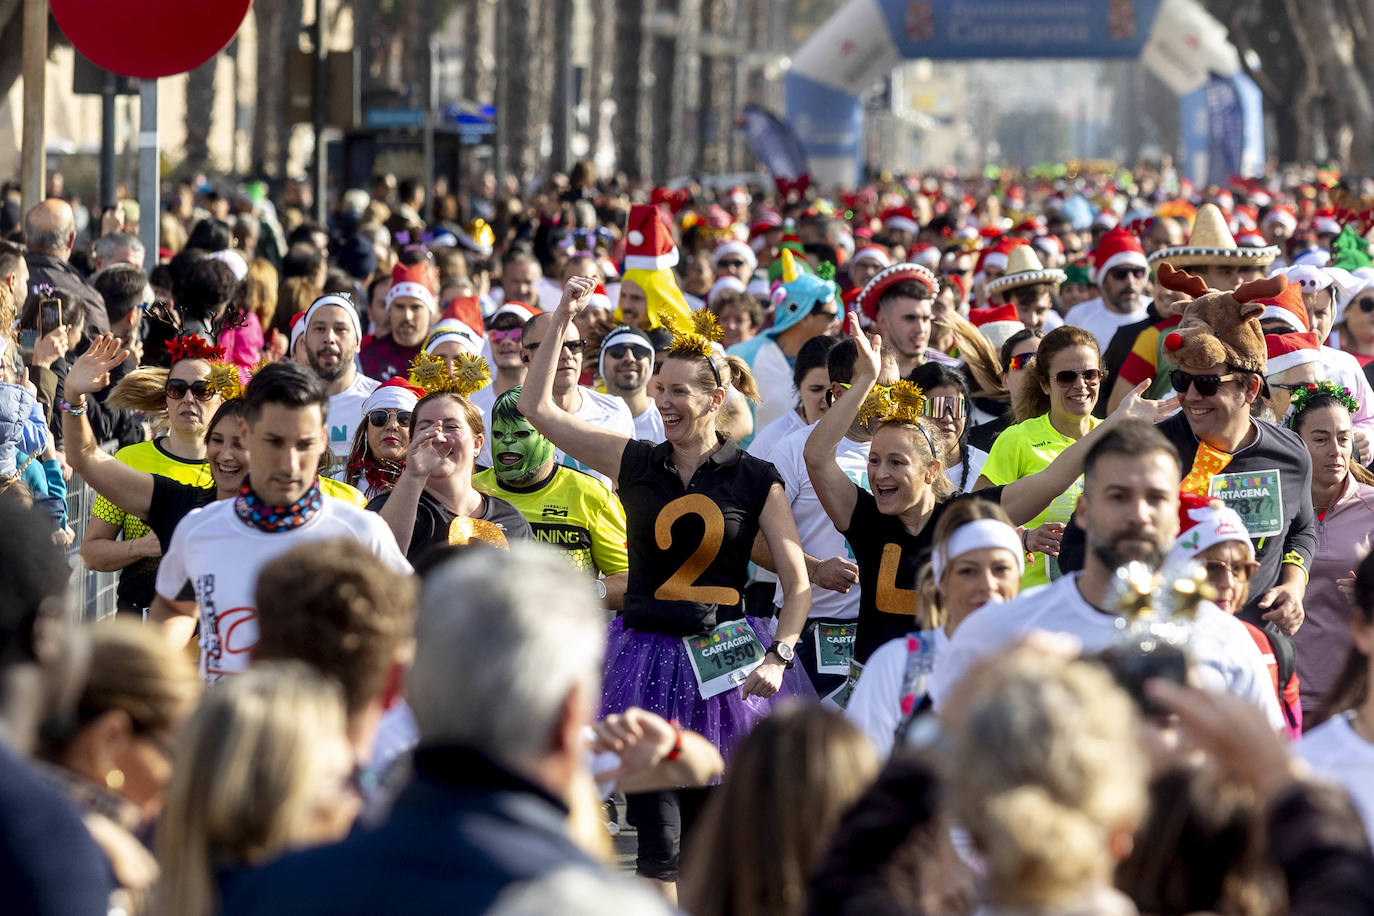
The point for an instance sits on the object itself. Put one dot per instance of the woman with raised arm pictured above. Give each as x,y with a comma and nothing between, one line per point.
159,501
694,504
891,527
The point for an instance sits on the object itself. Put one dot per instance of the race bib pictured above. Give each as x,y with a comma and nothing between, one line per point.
841,694
1256,498
723,658
834,647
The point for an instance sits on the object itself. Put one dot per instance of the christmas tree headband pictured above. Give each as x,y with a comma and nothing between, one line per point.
1304,396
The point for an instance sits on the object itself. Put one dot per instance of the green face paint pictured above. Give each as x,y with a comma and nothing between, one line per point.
512,435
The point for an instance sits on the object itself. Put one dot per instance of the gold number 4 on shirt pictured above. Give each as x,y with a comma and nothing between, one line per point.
681,586
891,599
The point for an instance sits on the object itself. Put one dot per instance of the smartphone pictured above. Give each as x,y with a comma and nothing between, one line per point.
1133,664
49,316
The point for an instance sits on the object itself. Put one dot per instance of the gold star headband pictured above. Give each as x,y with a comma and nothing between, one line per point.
468,374
899,403
225,380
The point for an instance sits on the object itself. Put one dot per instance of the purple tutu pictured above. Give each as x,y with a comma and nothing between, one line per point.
652,671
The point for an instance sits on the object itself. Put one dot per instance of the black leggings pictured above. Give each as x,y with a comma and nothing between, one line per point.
663,819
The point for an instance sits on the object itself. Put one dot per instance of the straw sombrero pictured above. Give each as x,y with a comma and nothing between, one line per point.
1212,243
1023,269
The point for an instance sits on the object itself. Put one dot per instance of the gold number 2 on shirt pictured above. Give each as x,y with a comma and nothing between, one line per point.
681,586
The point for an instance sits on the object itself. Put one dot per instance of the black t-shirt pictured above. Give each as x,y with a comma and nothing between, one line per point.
172,501
890,561
433,518
1275,451
689,546
984,435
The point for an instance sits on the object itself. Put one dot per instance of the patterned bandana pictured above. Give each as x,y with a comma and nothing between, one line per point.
250,507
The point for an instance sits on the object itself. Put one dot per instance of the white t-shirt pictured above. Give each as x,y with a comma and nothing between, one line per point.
608,412
875,706
976,457
345,416
1094,317
1337,754
220,556
819,536
649,425
1221,648
773,376
767,438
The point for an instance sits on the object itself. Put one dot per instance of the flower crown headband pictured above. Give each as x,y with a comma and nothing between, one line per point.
1303,396
193,347
468,375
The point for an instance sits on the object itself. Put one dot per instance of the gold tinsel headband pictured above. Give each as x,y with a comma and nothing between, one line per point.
696,340
468,374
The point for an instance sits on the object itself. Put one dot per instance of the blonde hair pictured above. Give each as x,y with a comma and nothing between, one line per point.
734,374
144,389
931,613
978,354
264,283
171,232
1050,768
246,780
927,439
756,845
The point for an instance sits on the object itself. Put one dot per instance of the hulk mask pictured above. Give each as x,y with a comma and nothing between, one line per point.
518,450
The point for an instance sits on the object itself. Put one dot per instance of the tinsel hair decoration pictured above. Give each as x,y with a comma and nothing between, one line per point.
898,403
225,380
468,374
192,347
1303,396
697,339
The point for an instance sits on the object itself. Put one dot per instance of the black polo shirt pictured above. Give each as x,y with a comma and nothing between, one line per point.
689,546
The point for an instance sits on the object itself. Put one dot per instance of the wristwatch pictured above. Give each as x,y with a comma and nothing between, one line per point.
601,589
783,651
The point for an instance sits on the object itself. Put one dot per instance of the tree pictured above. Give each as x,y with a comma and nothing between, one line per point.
628,88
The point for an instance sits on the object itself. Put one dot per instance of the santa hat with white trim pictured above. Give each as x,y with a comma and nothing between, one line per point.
410,280
1287,307
901,219
648,243
1117,248
1287,351
1203,524
925,254
722,284
518,309
872,251
601,299
394,394
735,247
997,324
455,331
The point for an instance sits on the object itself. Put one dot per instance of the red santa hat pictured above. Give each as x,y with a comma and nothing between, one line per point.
925,254
410,280
1324,222
900,219
1287,351
648,243
518,309
1283,215
601,299
872,252
1287,307
451,330
735,247
393,394
297,331
1106,219
1117,248
1203,523
997,324
996,255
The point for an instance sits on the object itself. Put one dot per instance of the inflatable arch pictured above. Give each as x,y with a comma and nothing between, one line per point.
1220,108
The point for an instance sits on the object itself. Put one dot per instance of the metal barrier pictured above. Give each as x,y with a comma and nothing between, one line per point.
94,591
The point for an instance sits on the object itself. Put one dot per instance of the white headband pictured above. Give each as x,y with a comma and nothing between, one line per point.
985,532
342,303
390,396
454,330
412,289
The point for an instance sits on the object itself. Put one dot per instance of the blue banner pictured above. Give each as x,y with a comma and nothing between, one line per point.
773,143
956,29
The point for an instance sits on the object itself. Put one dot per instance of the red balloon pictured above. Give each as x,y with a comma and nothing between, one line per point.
149,38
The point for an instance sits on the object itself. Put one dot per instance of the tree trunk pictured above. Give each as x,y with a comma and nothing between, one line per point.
665,115
200,110
628,128
516,44
717,86
1344,83
598,68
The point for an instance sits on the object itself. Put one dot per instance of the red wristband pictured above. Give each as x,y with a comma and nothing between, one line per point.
676,752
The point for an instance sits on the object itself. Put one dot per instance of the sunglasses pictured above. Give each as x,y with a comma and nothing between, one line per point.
572,346
177,388
1121,273
1241,572
731,265
508,334
950,272
1364,305
620,351
1067,377
1019,361
944,407
1205,385
380,416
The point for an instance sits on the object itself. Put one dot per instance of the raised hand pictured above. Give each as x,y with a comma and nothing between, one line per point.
1135,406
870,362
91,371
576,293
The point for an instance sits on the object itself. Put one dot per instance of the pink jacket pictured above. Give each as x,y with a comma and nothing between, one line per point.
243,345
1345,536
